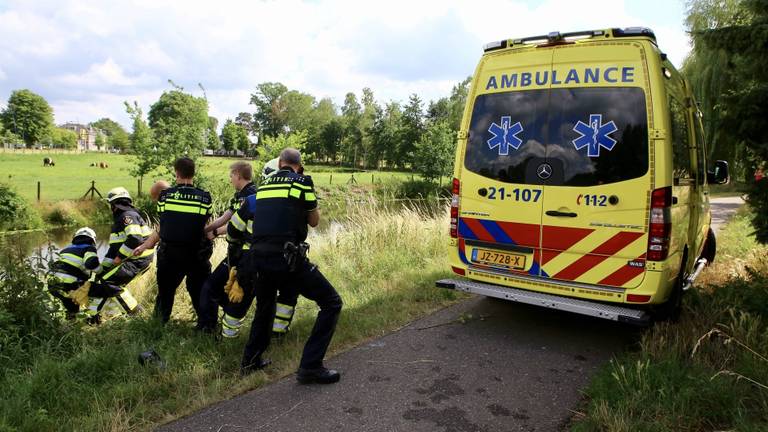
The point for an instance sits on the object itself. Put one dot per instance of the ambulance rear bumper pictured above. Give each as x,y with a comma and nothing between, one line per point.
582,307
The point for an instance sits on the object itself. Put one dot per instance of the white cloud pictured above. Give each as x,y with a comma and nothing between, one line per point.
3,76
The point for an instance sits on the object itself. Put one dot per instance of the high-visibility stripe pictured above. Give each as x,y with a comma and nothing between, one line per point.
187,202
64,277
112,272
598,255
230,326
281,193
301,186
624,274
237,222
73,260
89,255
309,196
280,326
125,250
296,193
179,208
284,311
117,237
275,186
133,229
144,254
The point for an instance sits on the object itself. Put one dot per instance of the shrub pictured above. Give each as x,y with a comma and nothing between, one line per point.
64,213
15,213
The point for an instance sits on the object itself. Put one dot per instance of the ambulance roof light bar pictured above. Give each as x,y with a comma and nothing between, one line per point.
554,38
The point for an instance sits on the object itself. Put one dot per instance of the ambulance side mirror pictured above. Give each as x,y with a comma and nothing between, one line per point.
720,174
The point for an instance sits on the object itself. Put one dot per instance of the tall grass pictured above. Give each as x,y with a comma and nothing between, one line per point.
709,371
382,261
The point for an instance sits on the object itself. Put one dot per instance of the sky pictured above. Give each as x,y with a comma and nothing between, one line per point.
87,57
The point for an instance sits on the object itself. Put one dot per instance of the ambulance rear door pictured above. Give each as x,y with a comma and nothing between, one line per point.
596,177
499,223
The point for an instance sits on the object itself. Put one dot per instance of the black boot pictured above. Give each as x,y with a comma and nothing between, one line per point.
256,364
320,376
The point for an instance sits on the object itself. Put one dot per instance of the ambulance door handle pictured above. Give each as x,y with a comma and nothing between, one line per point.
560,214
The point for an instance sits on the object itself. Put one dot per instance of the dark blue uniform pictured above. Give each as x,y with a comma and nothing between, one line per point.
184,250
73,268
128,232
212,293
278,214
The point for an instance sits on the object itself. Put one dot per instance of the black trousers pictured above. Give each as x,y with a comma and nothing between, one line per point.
126,271
269,276
58,289
212,296
174,263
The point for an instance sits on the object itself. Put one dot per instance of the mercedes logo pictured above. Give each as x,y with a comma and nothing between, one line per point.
544,171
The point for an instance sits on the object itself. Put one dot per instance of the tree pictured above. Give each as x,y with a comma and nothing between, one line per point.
117,137
268,119
412,127
735,34
28,115
297,110
274,145
352,138
100,141
61,138
212,140
235,137
367,118
457,102
142,143
323,113
245,120
434,153
179,122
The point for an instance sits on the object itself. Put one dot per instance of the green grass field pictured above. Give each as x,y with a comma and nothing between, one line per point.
72,175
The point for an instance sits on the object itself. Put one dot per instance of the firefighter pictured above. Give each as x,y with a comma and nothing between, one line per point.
212,293
184,249
71,272
120,266
276,261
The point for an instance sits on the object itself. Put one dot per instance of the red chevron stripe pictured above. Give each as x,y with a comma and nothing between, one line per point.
522,234
558,239
478,229
562,238
623,274
598,255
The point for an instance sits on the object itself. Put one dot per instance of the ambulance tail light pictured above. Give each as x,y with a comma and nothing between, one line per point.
660,227
455,208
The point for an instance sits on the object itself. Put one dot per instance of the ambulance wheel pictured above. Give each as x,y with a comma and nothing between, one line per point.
670,310
710,247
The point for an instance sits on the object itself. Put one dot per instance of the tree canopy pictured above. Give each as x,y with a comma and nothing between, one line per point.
28,115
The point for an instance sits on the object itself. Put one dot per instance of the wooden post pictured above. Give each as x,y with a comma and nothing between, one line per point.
138,188
93,187
372,181
331,181
38,191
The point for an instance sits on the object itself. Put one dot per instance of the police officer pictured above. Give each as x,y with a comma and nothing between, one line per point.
72,270
279,212
184,249
212,292
238,301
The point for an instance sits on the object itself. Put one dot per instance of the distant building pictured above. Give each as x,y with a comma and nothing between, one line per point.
86,136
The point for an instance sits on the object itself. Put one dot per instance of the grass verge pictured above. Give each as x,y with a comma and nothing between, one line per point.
709,371
382,262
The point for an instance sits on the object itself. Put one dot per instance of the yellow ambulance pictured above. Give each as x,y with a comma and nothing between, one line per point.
580,179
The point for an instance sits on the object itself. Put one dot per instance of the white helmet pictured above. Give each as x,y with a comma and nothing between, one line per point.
117,193
270,168
87,232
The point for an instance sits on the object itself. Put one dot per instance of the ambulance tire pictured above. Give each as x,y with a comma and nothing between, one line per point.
710,247
670,310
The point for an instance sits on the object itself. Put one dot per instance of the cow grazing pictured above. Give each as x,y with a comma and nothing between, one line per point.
48,162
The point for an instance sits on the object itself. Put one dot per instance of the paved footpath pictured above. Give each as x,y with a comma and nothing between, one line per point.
481,365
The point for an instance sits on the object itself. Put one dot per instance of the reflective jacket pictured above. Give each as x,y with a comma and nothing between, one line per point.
75,264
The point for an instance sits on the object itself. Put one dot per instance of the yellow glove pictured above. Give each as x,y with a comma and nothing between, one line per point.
232,288
232,278
80,295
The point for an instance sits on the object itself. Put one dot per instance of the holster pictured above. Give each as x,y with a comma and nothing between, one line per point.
295,254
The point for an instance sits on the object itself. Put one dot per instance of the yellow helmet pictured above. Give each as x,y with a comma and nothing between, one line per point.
117,193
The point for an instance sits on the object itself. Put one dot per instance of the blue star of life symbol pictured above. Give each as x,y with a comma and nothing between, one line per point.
595,135
505,135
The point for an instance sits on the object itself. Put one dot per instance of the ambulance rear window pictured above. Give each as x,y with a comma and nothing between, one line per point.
588,136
